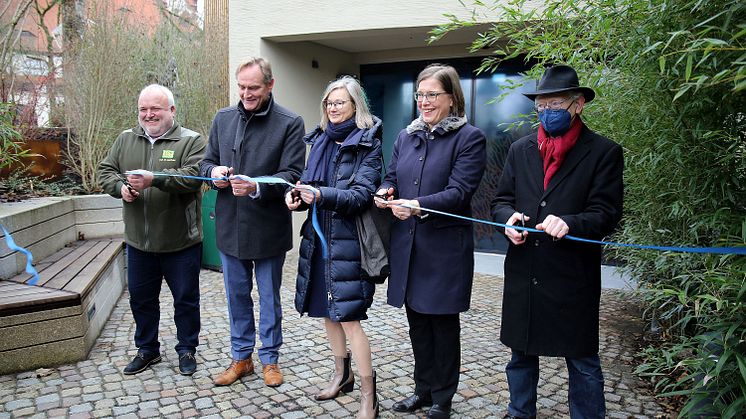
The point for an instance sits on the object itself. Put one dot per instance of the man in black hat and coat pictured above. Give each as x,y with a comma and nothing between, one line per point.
563,179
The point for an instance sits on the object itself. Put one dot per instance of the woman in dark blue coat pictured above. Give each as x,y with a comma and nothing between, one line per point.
437,163
342,172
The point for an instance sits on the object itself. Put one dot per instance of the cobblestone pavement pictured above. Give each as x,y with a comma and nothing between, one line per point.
96,387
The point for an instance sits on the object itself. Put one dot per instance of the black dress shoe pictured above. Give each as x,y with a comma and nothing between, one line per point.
140,362
187,363
411,403
439,411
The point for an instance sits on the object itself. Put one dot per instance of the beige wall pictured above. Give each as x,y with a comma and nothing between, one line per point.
287,32
292,17
298,86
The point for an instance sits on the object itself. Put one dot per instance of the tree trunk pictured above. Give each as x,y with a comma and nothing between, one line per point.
73,27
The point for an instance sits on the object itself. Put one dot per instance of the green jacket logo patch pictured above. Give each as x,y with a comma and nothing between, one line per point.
167,154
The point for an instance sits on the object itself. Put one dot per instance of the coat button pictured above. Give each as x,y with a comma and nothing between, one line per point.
543,203
536,243
416,182
534,281
422,158
411,231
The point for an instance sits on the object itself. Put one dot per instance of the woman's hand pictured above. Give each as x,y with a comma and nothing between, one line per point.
383,196
292,199
308,194
404,208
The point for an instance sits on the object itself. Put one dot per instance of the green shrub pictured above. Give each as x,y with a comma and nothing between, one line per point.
10,139
671,77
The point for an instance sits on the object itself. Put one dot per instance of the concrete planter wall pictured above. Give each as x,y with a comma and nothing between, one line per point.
45,225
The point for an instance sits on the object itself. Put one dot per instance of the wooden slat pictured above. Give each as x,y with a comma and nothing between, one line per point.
84,280
62,253
73,267
23,291
48,278
64,279
24,298
61,259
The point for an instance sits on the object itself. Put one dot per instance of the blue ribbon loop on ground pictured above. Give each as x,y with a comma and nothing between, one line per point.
29,257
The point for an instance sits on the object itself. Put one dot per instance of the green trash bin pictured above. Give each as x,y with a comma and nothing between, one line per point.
210,255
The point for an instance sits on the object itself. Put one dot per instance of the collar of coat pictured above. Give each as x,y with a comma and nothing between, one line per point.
447,124
365,140
171,134
262,112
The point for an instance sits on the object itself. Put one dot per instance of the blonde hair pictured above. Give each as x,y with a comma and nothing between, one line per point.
363,117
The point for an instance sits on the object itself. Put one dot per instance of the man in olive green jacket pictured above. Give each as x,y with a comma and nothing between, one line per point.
162,223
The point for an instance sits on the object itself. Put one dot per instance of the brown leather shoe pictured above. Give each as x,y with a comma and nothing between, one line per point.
236,370
272,375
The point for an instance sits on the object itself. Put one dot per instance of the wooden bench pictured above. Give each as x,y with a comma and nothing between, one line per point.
58,319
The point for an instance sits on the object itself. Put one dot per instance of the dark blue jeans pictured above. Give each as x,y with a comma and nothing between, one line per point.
145,273
586,395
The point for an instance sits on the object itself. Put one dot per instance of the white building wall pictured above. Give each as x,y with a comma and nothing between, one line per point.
291,17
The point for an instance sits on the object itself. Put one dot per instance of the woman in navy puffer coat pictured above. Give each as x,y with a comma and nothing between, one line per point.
342,173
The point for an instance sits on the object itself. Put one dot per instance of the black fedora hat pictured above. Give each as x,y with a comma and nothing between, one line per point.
558,79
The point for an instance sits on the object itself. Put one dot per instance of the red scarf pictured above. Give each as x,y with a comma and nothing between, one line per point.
553,150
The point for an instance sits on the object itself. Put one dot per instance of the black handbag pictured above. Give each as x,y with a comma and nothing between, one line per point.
373,232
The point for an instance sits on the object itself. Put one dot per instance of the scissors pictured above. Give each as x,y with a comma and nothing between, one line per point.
126,183
524,233
382,196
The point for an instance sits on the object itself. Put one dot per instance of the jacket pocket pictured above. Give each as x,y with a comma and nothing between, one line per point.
191,218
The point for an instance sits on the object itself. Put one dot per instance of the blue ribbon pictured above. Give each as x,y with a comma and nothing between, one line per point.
260,179
29,257
714,250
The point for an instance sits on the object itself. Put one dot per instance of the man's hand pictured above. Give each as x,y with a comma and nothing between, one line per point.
382,197
242,187
219,172
554,226
515,236
129,195
142,180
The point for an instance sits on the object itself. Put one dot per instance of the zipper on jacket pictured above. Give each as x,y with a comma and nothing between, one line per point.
146,194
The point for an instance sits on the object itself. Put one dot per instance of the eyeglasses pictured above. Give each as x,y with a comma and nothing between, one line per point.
554,105
431,96
336,104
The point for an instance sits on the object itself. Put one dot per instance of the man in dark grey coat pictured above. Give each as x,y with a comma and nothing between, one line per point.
257,137
563,180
